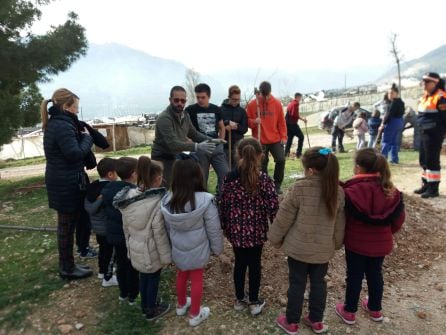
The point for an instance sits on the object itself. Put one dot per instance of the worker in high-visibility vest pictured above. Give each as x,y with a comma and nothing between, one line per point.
432,122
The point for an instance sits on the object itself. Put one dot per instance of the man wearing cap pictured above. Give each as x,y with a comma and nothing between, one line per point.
432,122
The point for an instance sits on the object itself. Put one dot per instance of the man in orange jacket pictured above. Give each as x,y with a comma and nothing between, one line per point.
273,131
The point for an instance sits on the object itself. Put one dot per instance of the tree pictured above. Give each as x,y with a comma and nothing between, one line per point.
397,55
192,80
27,59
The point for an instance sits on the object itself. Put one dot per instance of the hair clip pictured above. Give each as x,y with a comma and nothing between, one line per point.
325,151
182,156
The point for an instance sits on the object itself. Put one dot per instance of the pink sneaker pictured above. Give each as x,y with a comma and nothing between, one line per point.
317,327
374,315
348,317
289,328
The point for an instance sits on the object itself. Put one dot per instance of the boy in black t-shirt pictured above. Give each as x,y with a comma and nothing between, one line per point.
206,118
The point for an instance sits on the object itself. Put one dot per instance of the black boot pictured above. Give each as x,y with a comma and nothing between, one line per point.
77,273
432,190
423,187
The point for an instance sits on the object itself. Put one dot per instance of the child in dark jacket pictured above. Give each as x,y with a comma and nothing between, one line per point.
374,122
248,199
127,276
94,206
374,212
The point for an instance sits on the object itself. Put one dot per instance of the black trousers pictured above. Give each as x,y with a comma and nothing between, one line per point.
66,224
128,277
357,266
298,273
105,257
294,130
248,258
83,231
276,150
337,134
430,148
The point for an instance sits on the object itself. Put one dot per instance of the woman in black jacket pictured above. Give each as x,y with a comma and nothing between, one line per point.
392,125
67,146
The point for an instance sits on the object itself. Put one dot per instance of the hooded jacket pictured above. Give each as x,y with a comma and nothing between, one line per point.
273,126
371,216
65,152
143,224
234,114
302,226
93,204
194,234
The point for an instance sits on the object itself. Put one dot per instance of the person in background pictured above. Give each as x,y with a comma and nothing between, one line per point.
175,133
360,128
308,228
193,225
374,212
206,118
127,276
432,122
374,123
292,118
145,234
235,121
66,148
94,207
342,121
392,125
248,190
273,133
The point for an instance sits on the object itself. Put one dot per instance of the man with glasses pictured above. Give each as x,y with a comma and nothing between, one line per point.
175,133
206,118
235,121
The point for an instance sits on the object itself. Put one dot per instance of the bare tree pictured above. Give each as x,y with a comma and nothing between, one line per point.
192,80
396,53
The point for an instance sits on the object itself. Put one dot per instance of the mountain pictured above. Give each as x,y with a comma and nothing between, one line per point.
434,61
116,80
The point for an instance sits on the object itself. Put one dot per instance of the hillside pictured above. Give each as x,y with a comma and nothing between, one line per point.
113,79
434,61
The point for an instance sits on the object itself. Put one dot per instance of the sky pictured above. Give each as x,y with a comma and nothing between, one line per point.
212,36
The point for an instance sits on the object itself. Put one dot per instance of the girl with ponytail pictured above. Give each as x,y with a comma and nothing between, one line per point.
248,201
146,239
308,228
374,212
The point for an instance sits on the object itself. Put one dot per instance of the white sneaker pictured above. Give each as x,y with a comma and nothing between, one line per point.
182,310
203,315
100,276
113,281
256,308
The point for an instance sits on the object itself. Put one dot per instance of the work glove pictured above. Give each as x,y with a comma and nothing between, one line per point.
205,146
217,141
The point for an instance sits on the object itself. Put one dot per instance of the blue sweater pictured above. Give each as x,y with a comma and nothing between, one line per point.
374,123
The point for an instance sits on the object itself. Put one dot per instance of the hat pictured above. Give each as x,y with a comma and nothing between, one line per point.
431,76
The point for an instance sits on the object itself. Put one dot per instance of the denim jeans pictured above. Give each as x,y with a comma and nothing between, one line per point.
298,273
148,288
372,141
218,161
337,134
357,266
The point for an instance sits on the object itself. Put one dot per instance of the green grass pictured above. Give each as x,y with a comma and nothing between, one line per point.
139,150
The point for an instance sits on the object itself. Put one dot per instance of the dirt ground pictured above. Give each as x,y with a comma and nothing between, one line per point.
414,295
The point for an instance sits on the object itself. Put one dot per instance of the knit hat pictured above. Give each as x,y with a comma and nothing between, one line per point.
431,76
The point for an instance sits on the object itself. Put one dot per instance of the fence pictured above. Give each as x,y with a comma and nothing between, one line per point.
409,95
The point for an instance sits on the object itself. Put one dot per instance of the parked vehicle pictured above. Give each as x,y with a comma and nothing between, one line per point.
328,117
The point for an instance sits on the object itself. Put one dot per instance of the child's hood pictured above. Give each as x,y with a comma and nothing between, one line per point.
186,221
129,195
367,196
